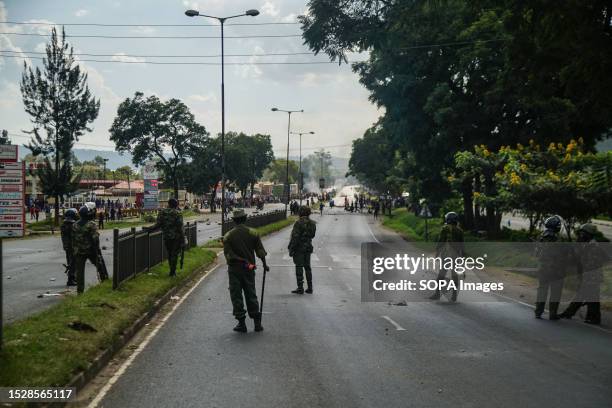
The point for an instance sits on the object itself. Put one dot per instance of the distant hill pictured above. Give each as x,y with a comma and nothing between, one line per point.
114,159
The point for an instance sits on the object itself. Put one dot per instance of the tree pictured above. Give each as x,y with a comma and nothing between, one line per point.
60,104
4,139
204,171
165,131
277,171
246,158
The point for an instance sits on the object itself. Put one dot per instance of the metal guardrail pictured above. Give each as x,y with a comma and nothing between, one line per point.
259,220
137,251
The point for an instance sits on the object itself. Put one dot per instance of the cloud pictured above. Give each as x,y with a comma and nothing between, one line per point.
10,95
270,9
122,57
251,71
81,13
209,97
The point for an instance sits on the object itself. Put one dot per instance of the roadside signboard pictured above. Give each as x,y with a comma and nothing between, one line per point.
8,153
12,190
151,187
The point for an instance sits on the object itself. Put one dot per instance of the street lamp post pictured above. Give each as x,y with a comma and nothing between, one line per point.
104,177
300,177
222,20
287,186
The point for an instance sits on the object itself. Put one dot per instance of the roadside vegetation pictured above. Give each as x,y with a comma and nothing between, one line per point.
43,350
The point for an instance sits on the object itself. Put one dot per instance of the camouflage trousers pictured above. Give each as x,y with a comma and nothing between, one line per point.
79,269
241,280
302,263
173,248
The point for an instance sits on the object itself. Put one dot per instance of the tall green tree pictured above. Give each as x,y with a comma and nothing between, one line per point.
61,110
277,171
204,171
246,158
150,129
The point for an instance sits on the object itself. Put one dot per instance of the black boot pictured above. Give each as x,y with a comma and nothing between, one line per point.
258,326
539,309
299,290
309,289
71,282
436,295
552,312
241,326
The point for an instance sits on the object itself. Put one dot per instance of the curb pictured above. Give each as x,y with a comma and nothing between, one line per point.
83,378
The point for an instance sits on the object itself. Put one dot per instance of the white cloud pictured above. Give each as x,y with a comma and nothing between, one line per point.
270,9
290,18
122,57
209,97
10,95
251,71
81,13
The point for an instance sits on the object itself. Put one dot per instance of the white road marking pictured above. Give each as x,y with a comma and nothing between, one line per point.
371,233
94,403
397,326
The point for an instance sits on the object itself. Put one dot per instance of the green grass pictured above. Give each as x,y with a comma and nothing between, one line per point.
412,227
265,230
43,351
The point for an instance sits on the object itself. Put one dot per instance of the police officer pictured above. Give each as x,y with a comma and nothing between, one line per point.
85,245
170,221
300,248
591,257
240,245
551,271
70,217
450,244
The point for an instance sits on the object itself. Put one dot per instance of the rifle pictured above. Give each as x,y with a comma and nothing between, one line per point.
101,269
182,255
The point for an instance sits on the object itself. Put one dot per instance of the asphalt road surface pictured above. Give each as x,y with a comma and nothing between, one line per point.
518,222
33,267
331,350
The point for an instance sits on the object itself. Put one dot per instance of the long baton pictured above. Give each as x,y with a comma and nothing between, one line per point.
263,288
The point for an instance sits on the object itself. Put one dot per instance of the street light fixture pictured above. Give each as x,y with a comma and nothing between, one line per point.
287,187
300,181
222,20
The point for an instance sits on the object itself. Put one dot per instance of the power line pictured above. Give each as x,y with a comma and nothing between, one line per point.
144,25
189,63
159,37
167,56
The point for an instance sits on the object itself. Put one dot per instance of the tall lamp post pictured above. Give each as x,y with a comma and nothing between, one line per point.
222,20
287,186
300,181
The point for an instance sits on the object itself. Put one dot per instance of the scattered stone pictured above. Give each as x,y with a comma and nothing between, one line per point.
402,303
439,390
521,295
174,297
104,248
8,277
63,339
52,279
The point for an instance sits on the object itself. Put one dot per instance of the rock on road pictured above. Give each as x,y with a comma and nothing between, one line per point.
331,350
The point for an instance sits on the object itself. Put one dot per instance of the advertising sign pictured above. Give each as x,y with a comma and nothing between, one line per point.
151,188
12,188
8,153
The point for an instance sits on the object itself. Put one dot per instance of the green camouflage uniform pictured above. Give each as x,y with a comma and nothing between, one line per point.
450,244
300,248
170,221
240,245
85,244
66,230
553,260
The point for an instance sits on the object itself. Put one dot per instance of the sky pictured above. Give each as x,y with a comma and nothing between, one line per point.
336,106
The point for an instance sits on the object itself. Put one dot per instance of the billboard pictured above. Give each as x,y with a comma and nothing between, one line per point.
151,188
12,188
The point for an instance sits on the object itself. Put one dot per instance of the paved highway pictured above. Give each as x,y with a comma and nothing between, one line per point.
331,350
33,267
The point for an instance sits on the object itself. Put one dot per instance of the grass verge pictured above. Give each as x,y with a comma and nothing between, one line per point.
265,230
43,351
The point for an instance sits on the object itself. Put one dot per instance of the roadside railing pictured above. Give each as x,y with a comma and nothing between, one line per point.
137,251
259,220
